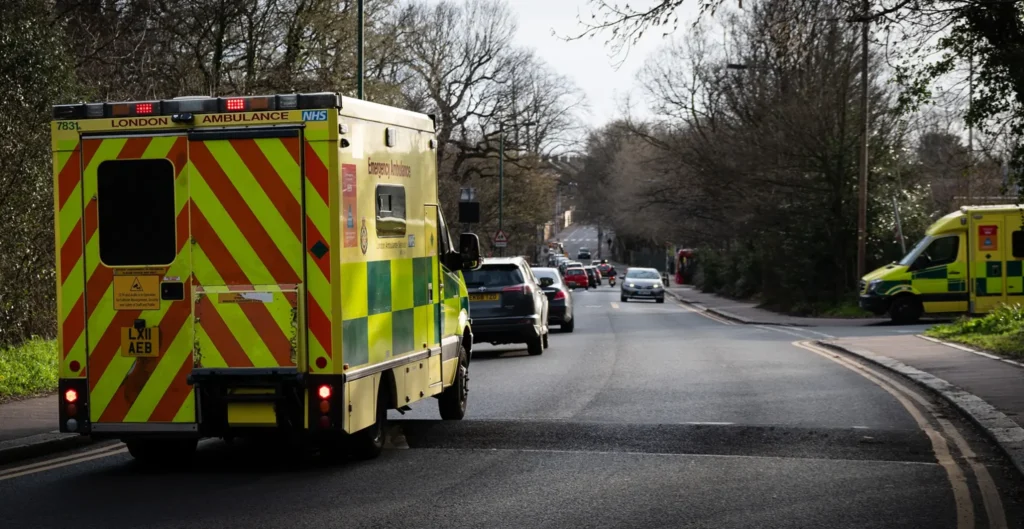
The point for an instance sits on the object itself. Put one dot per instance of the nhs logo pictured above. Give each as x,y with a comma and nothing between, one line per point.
314,115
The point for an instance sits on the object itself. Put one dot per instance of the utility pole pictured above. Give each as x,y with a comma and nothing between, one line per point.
970,128
359,49
501,185
862,210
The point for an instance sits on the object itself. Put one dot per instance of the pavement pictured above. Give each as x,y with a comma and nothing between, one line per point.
656,415
749,312
28,428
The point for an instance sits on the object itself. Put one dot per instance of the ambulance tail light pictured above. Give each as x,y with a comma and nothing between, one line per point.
234,104
143,109
74,405
324,392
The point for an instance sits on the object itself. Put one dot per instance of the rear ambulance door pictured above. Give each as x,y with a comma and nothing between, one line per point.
988,261
1014,240
247,257
137,264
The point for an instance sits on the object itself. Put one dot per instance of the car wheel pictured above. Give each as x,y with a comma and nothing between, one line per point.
368,442
535,346
545,340
906,310
623,299
661,300
452,403
568,326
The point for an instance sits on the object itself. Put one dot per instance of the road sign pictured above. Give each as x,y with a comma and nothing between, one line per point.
500,239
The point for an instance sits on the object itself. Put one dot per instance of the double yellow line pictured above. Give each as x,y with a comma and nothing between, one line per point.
914,404
74,459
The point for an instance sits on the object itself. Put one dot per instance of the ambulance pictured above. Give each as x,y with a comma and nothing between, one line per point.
253,266
969,262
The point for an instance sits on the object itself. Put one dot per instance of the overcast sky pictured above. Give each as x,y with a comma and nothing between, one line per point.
587,61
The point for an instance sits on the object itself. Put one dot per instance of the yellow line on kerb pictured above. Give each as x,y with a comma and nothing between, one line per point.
53,464
957,480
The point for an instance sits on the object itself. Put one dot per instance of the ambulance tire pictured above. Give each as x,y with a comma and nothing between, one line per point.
906,310
164,453
452,403
368,442
535,345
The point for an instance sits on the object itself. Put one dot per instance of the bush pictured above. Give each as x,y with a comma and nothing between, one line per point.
1001,331
28,369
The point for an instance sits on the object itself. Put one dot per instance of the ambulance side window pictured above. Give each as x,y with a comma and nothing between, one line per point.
445,242
135,212
1017,244
390,210
942,251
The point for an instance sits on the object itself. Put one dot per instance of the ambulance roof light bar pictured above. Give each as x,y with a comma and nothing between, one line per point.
197,105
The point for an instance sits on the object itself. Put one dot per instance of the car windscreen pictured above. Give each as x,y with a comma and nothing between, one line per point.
642,274
546,273
493,276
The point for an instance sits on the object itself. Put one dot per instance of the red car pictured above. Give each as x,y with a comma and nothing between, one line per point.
576,278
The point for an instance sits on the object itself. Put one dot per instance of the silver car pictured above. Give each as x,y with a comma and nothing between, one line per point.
642,283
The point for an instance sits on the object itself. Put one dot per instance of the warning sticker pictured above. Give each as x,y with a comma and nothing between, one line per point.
136,292
988,238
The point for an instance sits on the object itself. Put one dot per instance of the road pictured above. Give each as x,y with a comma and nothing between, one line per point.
646,416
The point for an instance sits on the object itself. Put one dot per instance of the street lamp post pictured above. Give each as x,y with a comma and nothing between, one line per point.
862,210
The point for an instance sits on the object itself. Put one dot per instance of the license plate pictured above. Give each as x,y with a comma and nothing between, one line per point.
140,343
484,297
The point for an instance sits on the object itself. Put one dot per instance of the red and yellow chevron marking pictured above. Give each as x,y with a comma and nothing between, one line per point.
247,225
316,156
124,389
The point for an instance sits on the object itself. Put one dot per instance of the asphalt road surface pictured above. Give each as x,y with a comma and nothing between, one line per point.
647,415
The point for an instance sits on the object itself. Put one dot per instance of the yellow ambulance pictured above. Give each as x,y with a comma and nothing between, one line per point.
969,261
253,266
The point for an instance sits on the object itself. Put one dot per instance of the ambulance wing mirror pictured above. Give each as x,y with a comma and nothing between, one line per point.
469,251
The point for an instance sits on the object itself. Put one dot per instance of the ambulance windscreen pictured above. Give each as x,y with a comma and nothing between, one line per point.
136,212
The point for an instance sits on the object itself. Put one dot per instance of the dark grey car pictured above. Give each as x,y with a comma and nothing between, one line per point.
642,283
507,305
559,298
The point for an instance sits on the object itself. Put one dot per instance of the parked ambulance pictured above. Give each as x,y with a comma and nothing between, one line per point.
969,262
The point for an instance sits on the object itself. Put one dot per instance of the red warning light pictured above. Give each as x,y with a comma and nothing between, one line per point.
71,395
236,104
325,392
143,109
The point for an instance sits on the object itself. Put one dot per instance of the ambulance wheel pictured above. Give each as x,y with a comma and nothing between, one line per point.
368,442
162,452
452,403
906,310
535,345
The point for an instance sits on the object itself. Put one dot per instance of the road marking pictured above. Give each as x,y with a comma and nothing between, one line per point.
593,306
940,448
709,423
72,461
707,315
801,329
57,460
861,428
615,305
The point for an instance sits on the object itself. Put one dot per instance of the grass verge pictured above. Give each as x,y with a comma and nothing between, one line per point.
28,369
1000,331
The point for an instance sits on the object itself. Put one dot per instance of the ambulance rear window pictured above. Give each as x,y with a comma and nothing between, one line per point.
136,212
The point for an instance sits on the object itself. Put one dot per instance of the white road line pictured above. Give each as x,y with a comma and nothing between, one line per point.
615,305
782,330
709,423
804,329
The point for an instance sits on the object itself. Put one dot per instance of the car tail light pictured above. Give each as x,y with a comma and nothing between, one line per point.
560,294
519,289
